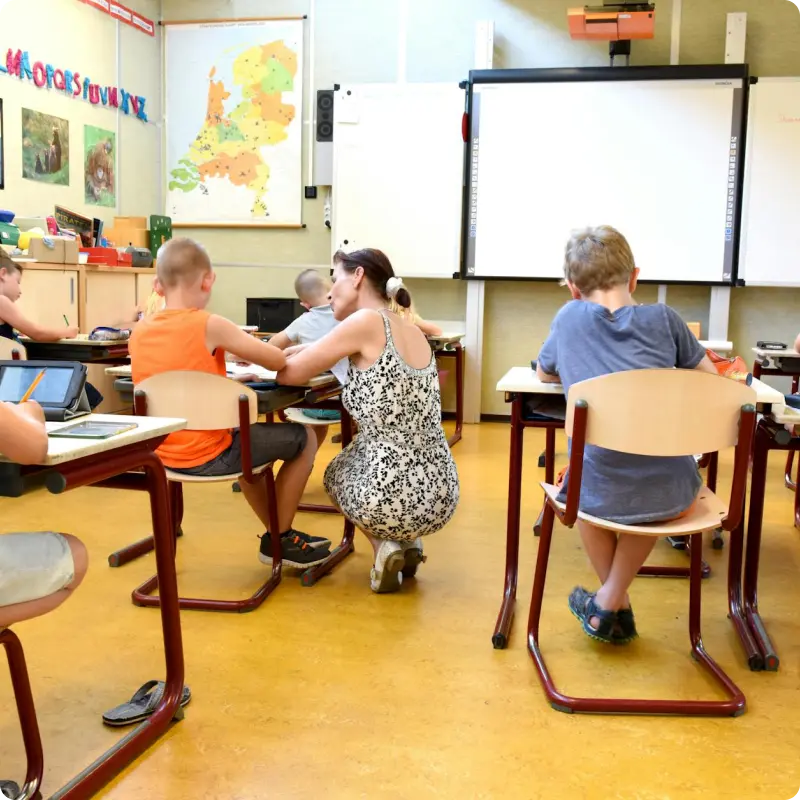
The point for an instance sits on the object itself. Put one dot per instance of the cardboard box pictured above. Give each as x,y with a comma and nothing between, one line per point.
126,236
71,250
50,250
694,327
130,222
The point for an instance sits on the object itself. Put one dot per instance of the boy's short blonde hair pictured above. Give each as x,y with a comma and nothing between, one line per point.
180,261
310,285
598,258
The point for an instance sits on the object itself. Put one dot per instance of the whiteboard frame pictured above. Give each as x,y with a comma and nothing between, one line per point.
609,74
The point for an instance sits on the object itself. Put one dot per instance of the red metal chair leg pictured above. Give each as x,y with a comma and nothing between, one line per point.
734,705
143,595
26,712
459,356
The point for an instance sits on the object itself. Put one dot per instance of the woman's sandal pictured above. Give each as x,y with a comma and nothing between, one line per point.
583,606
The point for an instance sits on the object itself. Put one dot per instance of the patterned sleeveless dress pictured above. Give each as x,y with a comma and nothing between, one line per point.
397,480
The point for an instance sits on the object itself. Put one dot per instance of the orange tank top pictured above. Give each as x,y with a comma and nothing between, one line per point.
175,339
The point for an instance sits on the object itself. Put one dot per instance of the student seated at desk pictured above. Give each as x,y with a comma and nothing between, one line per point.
38,571
397,480
184,336
603,331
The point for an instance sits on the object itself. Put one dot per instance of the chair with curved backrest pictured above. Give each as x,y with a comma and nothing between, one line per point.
208,402
11,350
667,412
26,712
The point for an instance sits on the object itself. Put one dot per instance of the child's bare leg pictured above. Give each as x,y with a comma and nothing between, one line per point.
289,486
320,431
600,545
43,605
631,553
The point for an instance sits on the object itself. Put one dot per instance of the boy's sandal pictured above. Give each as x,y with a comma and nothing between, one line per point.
142,705
584,606
625,629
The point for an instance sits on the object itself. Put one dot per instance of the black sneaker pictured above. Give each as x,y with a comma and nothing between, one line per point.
294,552
312,541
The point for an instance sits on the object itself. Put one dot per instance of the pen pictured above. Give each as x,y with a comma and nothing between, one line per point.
66,321
32,387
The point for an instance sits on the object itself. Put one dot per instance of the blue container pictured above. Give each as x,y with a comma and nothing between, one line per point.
7,216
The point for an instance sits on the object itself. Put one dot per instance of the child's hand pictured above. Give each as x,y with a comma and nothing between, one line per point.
71,332
33,410
294,350
249,378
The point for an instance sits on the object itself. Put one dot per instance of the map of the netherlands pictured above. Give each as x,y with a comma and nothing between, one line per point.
238,159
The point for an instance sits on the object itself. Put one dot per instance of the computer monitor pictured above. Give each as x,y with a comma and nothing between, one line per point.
272,314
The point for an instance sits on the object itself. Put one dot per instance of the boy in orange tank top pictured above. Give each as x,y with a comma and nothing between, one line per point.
184,336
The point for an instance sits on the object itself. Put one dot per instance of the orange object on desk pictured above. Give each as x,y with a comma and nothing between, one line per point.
108,256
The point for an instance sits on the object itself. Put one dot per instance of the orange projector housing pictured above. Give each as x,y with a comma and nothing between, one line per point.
610,24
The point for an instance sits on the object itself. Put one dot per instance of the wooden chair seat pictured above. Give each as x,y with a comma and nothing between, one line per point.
706,516
297,415
182,477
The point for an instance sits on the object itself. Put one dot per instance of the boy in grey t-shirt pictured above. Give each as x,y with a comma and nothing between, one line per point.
603,331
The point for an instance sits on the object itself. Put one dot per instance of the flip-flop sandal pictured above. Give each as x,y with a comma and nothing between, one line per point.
625,629
141,705
10,790
583,606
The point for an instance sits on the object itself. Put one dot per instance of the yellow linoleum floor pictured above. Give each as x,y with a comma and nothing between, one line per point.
333,692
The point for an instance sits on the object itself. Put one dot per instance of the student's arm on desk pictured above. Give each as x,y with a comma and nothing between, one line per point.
346,339
221,332
544,377
428,328
707,366
281,340
23,437
11,314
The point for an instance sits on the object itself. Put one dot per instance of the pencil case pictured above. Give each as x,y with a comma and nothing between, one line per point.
109,335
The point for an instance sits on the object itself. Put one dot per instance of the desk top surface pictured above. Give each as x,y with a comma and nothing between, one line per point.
81,339
124,371
59,451
524,380
446,337
789,353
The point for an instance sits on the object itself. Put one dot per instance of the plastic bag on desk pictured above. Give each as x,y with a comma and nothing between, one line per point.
734,368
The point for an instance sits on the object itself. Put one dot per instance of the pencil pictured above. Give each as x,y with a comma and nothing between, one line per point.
32,387
66,321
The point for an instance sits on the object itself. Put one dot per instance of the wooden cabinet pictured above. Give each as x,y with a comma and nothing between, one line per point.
50,295
109,299
144,287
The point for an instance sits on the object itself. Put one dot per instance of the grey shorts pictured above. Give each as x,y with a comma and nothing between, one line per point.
33,565
268,442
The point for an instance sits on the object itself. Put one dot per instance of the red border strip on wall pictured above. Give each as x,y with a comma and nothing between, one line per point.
124,14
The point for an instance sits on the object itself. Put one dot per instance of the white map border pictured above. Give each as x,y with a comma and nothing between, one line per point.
285,172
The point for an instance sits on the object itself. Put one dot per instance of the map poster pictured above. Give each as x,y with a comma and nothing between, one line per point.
234,123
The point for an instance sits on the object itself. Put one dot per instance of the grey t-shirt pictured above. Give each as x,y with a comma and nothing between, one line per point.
587,340
312,325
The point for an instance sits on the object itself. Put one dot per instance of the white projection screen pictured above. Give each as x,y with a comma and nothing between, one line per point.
657,152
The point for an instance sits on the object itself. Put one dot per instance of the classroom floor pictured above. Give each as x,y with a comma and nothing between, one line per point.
335,692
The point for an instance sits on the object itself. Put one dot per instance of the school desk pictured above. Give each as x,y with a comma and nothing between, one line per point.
448,345
518,384
779,430
784,363
79,349
73,463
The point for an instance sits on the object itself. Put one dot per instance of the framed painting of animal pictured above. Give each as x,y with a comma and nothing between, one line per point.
45,148
99,156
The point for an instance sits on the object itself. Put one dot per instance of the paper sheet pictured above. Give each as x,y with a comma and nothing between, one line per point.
251,369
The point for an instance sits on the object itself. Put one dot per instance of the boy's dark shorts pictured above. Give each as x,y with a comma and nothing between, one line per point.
268,442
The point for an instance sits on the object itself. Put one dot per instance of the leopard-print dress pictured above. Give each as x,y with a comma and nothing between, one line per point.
397,479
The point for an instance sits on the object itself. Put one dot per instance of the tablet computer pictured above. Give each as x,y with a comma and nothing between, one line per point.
60,387
92,429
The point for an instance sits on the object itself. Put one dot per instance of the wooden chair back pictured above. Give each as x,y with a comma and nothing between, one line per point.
207,402
8,347
661,412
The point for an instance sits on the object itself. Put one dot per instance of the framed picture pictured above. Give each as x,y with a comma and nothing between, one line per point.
2,160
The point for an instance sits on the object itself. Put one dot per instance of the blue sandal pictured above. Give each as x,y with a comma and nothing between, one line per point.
625,630
584,606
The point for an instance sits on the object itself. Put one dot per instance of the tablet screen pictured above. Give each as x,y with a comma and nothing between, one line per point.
52,389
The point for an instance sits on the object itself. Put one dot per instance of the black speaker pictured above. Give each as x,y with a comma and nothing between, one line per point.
325,115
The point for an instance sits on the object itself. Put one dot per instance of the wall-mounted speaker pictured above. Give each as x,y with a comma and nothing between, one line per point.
325,115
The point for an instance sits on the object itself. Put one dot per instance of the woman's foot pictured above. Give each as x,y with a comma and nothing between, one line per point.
597,623
414,556
386,575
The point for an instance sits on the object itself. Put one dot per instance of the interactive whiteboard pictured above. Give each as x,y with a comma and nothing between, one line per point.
655,152
398,174
772,185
